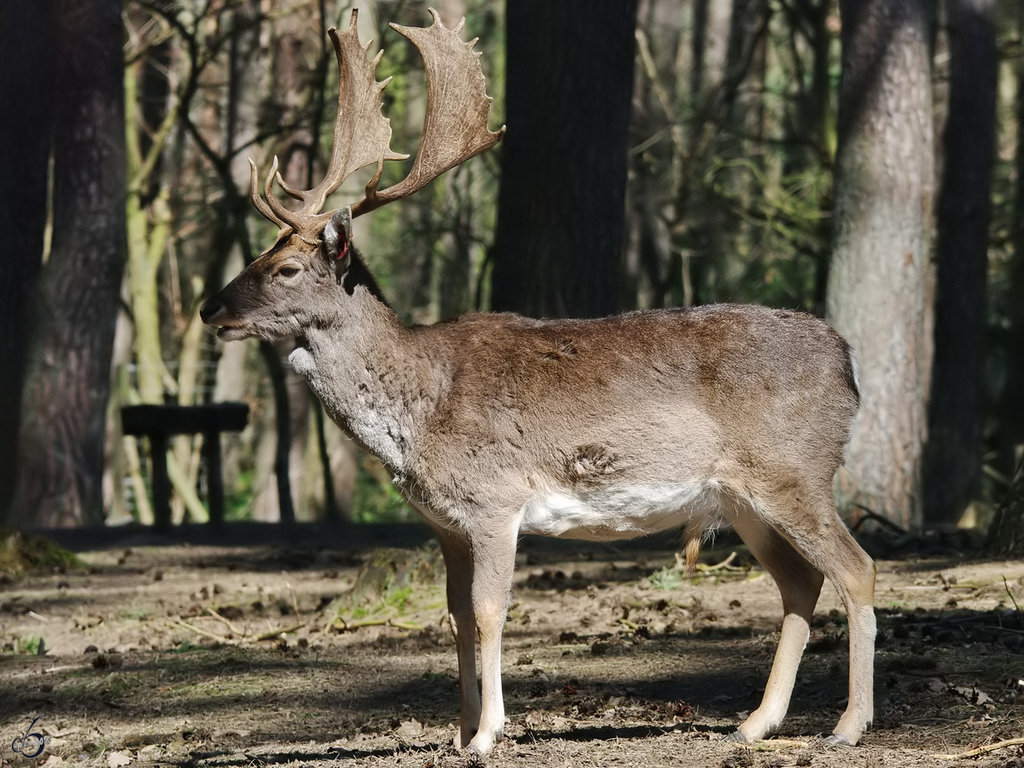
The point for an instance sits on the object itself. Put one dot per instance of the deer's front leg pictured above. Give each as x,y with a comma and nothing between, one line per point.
459,569
494,554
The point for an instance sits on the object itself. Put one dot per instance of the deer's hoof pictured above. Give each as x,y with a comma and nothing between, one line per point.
737,737
838,740
483,743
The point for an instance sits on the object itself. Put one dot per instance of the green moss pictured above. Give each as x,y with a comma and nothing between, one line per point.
33,645
21,552
392,585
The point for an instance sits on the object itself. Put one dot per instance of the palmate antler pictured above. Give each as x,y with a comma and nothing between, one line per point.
454,129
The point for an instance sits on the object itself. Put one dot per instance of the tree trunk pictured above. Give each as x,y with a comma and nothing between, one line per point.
1011,405
60,462
27,60
879,289
957,403
561,212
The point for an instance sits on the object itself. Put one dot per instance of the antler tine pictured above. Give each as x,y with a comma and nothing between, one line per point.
257,200
455,126
289,218
362,134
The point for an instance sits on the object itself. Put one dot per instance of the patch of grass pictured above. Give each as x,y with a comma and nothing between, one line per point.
398,597
666,579
117,686
392,586
21,552
33,645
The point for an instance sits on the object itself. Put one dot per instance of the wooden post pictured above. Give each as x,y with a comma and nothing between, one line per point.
161,483
214,478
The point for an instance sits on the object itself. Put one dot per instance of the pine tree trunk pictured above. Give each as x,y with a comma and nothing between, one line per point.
561,212
879,290
1011,404
27,61
957,403
60,461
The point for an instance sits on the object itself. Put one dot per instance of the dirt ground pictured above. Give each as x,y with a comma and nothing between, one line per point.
206,656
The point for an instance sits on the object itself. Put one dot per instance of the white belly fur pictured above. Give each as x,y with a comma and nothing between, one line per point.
607,514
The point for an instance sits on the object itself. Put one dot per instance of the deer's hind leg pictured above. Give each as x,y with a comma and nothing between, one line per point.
808,540
826,542
800,584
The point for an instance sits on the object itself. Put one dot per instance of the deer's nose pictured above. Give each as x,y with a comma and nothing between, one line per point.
211,308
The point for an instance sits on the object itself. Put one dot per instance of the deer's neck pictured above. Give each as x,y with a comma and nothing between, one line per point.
366,368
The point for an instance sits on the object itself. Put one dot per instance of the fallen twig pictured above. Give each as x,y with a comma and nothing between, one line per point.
269,635
725,565
295,602
409,625
1009,592
372,621
231,627
870,514
767,744
982,750
198,630
718,566
1011,630
275,633
49,670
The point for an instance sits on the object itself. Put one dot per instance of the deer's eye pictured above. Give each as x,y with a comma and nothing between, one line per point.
286,271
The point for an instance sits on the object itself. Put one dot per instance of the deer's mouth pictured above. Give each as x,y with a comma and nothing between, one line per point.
216,314
233,332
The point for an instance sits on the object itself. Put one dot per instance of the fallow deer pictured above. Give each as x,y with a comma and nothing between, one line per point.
495,425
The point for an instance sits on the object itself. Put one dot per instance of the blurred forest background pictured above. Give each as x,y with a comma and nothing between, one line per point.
861,160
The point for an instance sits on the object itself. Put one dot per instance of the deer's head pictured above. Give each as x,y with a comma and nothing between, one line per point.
312,262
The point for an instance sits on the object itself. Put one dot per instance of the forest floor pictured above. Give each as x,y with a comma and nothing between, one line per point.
214,656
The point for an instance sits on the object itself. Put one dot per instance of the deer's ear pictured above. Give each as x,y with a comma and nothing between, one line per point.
337,240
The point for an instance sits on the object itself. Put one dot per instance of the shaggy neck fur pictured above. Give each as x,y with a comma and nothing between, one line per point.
365,367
